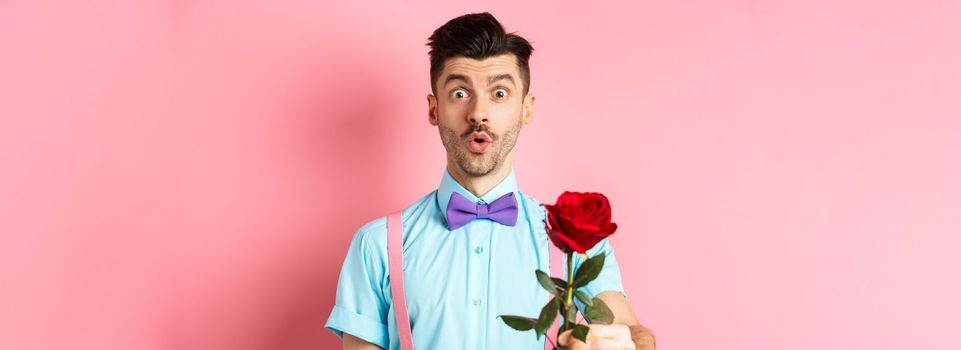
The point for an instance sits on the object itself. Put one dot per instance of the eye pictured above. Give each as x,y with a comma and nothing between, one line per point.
500,93
459,94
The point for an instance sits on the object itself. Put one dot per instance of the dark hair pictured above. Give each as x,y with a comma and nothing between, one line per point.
477,36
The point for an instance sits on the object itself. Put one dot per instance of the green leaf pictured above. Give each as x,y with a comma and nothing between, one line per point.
589,270
546,282
572,315
519,322
583,298
580,332
548,315
599,312
561,284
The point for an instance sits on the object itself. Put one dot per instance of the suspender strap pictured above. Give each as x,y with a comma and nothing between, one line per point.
557,259
395,252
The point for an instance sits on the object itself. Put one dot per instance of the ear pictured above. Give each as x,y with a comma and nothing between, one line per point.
432,109
528,108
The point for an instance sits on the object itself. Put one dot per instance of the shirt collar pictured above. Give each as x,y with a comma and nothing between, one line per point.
448,186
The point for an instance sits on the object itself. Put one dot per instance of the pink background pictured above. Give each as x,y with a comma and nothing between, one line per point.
188,174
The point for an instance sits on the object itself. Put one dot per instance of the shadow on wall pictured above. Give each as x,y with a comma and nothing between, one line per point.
327,128
348,136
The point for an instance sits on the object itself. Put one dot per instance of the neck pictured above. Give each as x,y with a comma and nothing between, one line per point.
479,185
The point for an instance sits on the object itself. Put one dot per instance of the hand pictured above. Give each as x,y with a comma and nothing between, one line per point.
643,337
601,337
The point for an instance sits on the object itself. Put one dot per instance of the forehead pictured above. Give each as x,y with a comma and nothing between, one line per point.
480,69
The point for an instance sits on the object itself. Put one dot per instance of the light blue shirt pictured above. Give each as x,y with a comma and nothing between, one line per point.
457,282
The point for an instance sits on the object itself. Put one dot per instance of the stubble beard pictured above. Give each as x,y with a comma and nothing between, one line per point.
477,165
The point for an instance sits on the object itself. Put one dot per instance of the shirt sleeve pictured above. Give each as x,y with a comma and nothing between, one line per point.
608,280
361,307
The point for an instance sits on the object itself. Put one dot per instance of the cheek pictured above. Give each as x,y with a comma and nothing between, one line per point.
452,111
507,115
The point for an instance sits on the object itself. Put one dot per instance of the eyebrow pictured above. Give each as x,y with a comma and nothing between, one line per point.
495,78
490,80
460,77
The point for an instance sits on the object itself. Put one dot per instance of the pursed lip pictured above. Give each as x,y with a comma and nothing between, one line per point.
479,135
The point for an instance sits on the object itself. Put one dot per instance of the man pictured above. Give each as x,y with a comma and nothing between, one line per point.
460,275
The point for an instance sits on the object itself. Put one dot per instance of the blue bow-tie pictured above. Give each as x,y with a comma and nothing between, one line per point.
460,210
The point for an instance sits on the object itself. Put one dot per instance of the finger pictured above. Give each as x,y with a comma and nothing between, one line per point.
612,344
616,331
566,337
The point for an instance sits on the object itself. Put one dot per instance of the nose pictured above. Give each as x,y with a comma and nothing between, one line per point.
479,112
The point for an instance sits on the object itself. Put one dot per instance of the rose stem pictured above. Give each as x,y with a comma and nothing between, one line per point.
570,284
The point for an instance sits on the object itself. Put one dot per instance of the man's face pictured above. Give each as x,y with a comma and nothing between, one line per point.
479,110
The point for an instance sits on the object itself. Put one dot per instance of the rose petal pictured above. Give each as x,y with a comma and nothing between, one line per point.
571,244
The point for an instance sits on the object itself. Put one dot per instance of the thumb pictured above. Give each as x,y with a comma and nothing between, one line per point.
567,338
564,338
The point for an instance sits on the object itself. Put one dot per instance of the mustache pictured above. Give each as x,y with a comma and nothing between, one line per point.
480,128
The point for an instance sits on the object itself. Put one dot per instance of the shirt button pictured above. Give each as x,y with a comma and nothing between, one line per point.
479,250
476,302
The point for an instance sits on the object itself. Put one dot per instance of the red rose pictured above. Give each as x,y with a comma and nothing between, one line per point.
579,220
